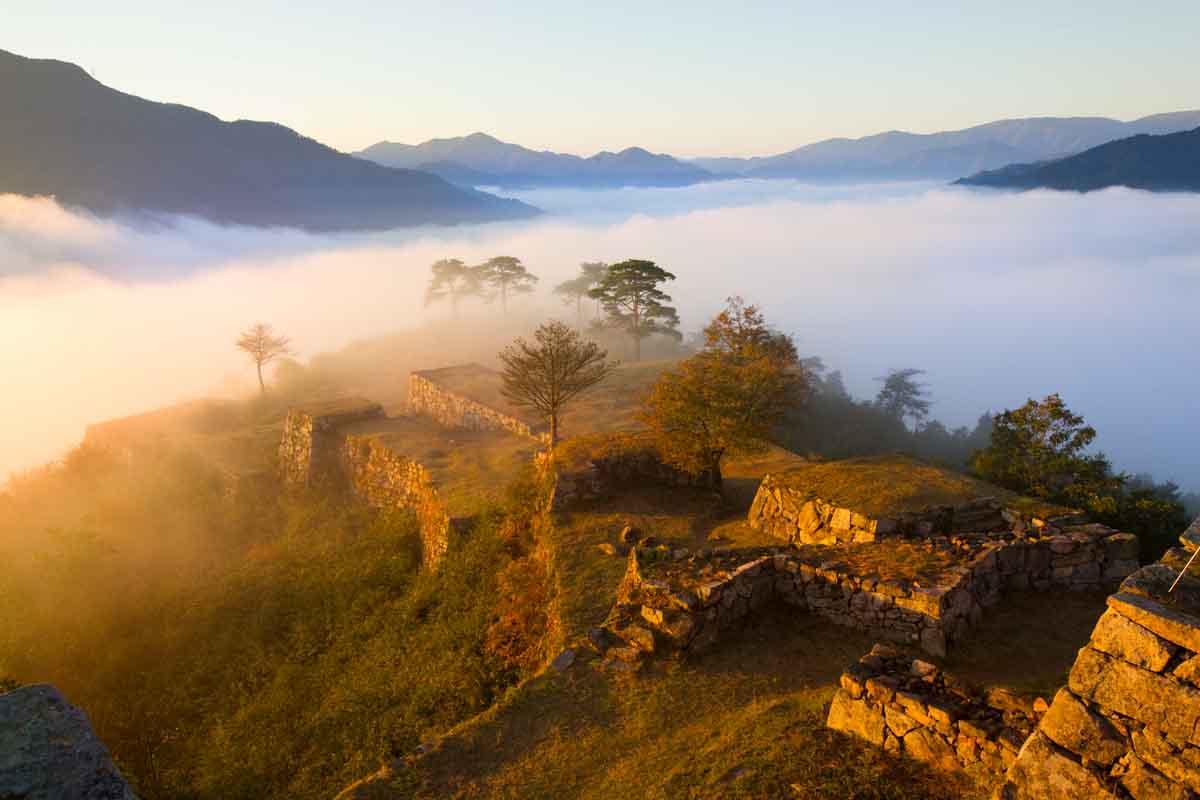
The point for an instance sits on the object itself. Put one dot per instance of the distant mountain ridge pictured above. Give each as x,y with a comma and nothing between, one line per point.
1167,162
64,134
897,155
483,160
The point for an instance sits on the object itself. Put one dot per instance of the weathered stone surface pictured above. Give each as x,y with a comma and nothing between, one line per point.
1189,671
898,722
855,718
1144,782
48,751
563,660
1043,772
1121,547
925,745
1119,636
1072,725
1180,764
1175,627
1167,704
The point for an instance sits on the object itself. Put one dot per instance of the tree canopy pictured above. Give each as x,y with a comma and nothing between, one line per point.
578,288
903,396
553,369
728,398
630,295
1040,449
506,275
452,280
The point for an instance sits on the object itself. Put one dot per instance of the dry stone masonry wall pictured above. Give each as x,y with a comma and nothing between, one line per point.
601,475
1127,725
384,479
692,599
310,448
452,410
314,449
795,514
909,706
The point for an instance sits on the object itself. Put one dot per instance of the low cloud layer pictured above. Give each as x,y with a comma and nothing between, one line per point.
999,297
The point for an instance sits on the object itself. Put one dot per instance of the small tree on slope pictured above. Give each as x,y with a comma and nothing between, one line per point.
728,398
263,346
549,372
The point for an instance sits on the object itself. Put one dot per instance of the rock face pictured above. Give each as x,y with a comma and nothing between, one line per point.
48,751
912,707
1128,723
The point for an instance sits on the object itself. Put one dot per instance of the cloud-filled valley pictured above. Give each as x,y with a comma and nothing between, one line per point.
998,296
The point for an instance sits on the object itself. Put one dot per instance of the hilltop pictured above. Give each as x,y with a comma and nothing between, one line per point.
900,155
1167,163
483,160
66,135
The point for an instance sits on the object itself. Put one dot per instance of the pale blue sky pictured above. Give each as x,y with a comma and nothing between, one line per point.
687,78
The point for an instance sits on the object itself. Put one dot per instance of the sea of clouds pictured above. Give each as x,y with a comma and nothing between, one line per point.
1000,297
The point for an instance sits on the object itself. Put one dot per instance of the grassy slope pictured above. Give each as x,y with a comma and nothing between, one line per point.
882,485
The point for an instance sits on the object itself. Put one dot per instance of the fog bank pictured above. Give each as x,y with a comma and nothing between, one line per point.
999,297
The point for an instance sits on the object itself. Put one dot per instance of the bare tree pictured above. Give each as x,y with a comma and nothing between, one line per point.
263,346
549,372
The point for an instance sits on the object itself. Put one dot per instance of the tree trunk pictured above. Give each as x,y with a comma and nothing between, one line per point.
553,431
262,387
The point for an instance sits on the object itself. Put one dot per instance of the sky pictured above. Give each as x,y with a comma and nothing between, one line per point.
692,79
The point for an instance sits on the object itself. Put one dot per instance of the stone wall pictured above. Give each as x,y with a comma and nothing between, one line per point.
315,450
692,598
310,447
1127,725
452,410
383,479
909,706
797,515
598,468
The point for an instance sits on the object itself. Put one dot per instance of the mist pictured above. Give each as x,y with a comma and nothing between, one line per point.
1000,297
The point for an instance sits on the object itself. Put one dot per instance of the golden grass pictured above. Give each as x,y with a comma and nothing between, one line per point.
470,468
881,485
746,721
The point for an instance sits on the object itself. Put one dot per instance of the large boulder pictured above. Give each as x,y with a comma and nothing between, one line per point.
48,751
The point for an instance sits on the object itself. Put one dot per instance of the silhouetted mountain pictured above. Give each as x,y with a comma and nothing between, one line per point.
1170,162
897,155
482,160
62,133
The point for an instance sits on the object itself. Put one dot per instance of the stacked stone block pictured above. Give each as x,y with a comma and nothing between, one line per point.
383,479
310,447
909,706
449,409
1127,725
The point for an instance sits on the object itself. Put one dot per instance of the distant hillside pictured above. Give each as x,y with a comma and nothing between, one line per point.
897,155
64,134
482,160
1170,162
